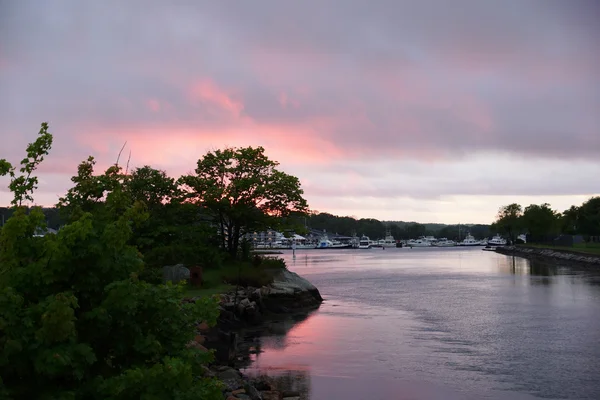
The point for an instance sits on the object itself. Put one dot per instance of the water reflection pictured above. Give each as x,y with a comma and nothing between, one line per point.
432,324
271,335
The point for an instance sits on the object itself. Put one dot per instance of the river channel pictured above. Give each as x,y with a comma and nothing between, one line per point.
427,323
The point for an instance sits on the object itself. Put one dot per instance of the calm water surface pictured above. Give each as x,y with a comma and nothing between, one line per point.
439,324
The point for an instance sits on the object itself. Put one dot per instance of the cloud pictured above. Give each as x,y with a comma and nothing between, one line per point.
318,84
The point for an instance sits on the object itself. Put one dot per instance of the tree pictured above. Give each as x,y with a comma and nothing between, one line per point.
508,220
23,185
243,191
589,217
540,221
569,220
75,320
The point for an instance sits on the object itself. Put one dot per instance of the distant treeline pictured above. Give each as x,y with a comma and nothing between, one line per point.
339,225
53,218
543,224
399,229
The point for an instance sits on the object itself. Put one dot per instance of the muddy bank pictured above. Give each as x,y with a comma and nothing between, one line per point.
246,315
564,257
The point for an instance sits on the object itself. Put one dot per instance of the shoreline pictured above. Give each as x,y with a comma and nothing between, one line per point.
549,255
245,315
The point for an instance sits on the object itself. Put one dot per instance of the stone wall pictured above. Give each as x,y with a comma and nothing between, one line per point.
551,255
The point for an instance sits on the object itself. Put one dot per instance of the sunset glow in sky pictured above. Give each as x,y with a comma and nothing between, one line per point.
434,111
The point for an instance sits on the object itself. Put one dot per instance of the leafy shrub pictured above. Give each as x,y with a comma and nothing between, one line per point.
76,322
247,276
268,262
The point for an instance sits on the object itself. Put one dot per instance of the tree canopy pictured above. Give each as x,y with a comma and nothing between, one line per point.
540,220
243,191
508,220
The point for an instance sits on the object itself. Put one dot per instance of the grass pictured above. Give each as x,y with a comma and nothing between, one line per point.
224,279
584,248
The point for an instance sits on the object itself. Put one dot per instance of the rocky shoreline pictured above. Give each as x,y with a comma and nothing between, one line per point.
551,255
249,311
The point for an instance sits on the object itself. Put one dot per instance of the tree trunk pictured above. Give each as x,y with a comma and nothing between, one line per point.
222,224
230,236
236,240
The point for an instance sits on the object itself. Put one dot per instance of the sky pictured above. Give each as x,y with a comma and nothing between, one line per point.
429,111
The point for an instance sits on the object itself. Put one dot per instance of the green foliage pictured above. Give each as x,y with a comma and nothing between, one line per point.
270,263
508,220
257,273
540,220
589,217
23,185
243,191
569,220
76,322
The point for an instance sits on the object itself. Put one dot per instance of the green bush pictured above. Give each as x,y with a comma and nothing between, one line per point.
247,276
268,262
76,322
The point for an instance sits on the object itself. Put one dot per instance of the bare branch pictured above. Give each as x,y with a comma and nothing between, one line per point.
119,156
128,159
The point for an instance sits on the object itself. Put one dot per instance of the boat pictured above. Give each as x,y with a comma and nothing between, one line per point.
364,242
497,240
469,241
389,241
421,242
325,243
443,242
489,248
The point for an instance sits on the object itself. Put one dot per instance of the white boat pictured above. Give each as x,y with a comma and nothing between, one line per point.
325,243
497,240
364,242
421,242
443,242
470,241
389,240
300,246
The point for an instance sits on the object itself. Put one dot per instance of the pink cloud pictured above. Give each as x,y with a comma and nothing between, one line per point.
206,91
153,105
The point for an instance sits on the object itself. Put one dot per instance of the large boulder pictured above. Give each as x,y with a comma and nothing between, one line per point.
175,273
289,291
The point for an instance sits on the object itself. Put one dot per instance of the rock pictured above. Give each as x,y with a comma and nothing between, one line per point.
254,295
244,302
232,383
207,372
292,398
270,395
201,348
175,273
196,345
253,393
243,396
290,393
202,327
229,373
231,398
252,314
238,391
200,339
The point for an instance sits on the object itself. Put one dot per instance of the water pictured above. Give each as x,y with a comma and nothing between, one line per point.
449,323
